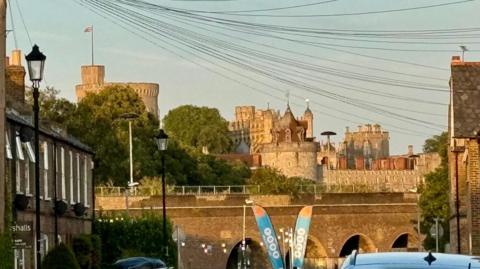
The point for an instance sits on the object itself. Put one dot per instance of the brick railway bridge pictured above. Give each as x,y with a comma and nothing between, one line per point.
211,226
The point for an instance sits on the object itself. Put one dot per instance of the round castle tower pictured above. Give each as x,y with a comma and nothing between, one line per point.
289,150
93,80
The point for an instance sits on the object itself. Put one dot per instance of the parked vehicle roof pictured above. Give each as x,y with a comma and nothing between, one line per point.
410,260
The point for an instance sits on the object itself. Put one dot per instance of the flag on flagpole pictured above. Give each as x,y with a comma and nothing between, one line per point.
88,29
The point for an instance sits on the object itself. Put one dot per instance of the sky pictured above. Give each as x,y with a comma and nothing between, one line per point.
186,76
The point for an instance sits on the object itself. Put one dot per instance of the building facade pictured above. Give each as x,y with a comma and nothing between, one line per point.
253,127
463,156
290,150
66,177
362,147
93,80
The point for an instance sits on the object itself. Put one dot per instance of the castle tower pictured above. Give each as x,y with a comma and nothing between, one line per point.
308,117
290,151
93,80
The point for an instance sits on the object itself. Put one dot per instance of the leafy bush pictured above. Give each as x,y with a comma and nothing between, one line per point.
87,249
124,236
61,257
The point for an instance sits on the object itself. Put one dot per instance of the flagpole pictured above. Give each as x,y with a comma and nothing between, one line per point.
92,45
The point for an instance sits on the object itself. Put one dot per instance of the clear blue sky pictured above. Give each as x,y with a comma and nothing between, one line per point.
57,27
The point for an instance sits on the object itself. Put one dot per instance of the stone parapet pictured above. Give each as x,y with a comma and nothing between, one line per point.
399,178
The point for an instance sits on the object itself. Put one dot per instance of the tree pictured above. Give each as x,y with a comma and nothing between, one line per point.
438,144
271,181
124,236
434,199
197,127
61,257
107,133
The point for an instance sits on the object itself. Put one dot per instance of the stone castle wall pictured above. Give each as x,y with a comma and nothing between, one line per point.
292,159
396,179
93,81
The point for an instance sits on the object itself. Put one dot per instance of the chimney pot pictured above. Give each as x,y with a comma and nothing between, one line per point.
16,57
456,59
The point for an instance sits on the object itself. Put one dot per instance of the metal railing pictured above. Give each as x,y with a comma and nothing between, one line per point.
256,189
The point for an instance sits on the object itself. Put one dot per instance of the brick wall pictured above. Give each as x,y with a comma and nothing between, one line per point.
379,218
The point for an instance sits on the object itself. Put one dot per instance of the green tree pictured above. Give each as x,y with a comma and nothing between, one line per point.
61,257
272,181
53,108
101,114
197,127
434,193
124,236
438,144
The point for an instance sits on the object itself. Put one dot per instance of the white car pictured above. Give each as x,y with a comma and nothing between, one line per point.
410,260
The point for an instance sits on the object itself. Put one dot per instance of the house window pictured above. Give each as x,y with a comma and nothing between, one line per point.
19,262
78,179
72,201
18,176
85,181
8,148
26,178
45,170
43,245
62,160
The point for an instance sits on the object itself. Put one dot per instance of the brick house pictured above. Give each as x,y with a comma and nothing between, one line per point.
66,179
463,156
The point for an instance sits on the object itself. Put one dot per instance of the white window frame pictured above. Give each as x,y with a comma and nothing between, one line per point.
79,189
85,181
45,171
43,244
62,165
27,176
18,176
72,200
18,144
8,148
19,255
30,151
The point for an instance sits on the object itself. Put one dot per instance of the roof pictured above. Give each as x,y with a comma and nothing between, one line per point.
70,140
465,99
411,260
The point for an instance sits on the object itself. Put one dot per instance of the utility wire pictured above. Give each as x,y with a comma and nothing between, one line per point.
291,82
344,14
13,24
23,22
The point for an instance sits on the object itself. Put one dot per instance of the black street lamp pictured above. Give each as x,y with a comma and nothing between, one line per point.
161,139
36,61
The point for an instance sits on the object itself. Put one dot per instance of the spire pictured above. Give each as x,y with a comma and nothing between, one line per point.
308,111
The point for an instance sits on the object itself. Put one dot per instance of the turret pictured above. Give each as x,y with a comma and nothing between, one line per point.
308,116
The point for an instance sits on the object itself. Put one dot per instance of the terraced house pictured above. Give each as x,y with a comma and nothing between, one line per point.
66,180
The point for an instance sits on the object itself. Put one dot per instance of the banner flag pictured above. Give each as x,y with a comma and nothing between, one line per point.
269,236
301,236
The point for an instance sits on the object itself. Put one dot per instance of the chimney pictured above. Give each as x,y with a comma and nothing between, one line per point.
410,150
16,58
456,60
15,79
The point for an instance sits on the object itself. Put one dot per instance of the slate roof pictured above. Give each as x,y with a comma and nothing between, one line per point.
465,98
68,139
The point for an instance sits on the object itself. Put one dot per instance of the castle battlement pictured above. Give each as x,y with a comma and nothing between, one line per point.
93,80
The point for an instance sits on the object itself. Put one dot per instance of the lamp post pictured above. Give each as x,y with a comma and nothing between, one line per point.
36,61
129,117
161,140
244,242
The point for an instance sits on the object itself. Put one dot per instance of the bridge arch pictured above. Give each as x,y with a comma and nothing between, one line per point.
359,242
315,254
404,241
255,255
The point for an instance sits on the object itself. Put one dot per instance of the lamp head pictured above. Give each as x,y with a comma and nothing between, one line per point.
161,139
36,61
